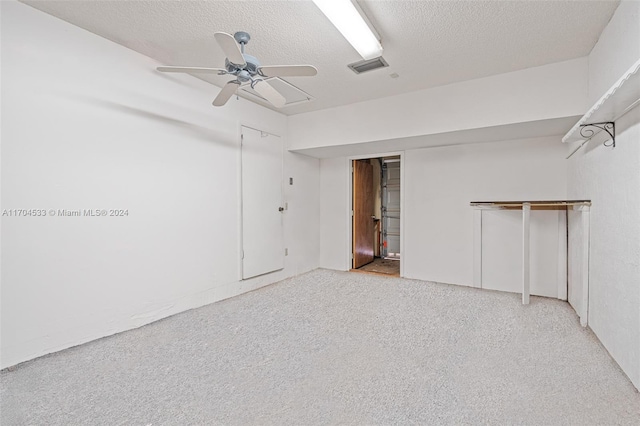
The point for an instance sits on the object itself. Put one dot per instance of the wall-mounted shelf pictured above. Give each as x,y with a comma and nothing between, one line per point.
535,205
623,96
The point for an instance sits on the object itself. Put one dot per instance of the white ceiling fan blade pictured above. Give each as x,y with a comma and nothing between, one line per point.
227,91
193,70
230,48
288,70
267,91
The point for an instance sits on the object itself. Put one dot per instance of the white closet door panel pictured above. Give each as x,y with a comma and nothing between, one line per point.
262,221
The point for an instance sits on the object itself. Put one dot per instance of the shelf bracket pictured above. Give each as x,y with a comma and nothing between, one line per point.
587,131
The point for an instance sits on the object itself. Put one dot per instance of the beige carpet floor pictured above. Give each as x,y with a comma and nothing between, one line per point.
335,348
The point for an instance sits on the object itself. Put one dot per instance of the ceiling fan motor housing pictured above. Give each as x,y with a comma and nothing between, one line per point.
252,65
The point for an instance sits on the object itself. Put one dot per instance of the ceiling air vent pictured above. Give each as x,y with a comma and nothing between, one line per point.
368,65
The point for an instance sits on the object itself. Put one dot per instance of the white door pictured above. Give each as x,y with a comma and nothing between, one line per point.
262,230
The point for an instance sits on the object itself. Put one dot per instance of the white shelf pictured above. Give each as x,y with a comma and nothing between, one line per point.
619,99
535,205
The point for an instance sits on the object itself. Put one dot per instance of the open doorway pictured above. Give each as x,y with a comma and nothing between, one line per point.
376,215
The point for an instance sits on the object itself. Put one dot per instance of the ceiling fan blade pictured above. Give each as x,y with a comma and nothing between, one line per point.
193,70
227,91
230,48
288,70
267,91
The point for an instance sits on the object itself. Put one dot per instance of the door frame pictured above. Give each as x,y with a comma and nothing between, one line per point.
348,217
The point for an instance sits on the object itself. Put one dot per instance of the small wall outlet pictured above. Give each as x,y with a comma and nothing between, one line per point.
290,181
286,252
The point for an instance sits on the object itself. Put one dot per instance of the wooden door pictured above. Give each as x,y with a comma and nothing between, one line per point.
363,214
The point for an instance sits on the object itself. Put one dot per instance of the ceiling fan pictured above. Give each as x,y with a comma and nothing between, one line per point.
247,70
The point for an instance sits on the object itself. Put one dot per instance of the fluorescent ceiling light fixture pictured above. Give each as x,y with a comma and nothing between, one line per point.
346,18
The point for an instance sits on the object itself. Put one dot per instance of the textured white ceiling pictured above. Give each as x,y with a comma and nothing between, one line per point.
428,43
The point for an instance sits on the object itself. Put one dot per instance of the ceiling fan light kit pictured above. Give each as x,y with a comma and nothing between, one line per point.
247,70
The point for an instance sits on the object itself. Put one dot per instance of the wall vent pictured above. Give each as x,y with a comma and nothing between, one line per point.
368,65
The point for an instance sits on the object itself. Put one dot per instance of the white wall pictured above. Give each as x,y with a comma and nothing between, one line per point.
502,249
611,179
439,184
89,124
541,93
617,49
334,223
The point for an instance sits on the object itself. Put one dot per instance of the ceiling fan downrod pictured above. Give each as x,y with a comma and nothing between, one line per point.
242,38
